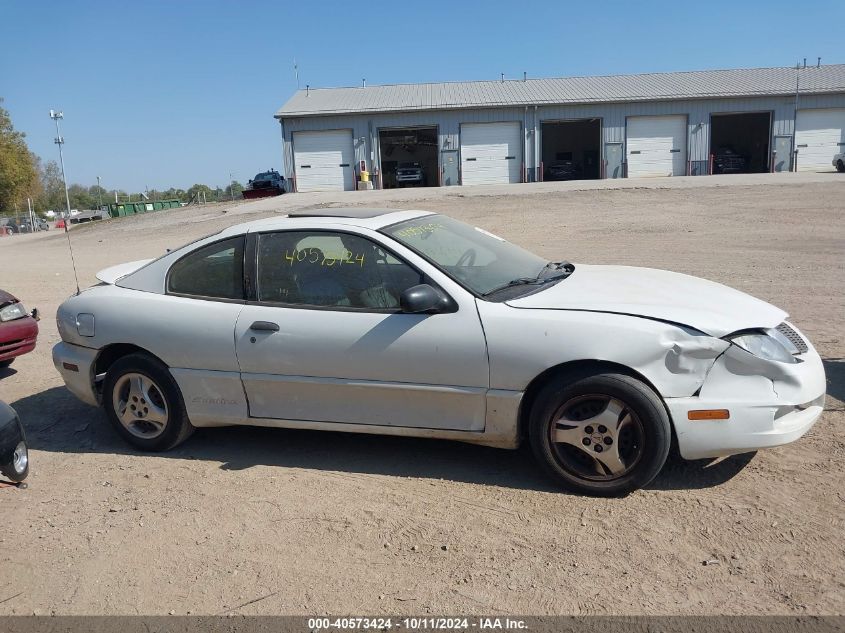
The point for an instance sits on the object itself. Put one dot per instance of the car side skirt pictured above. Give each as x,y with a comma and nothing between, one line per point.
219,400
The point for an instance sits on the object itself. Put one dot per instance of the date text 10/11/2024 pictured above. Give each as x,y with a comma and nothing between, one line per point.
417,623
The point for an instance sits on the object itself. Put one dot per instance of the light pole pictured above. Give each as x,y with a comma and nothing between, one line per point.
60,141
99,194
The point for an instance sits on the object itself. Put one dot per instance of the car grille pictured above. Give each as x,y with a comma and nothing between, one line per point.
793,337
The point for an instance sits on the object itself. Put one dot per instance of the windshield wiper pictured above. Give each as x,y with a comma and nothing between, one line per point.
561,265
521,281
564,267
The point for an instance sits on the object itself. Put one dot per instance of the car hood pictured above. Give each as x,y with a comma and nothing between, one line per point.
707,306
6,297
113,273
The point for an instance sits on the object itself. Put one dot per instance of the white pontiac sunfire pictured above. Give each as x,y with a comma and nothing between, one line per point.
412,323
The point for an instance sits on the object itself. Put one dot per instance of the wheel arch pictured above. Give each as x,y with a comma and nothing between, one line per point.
112,353
572,370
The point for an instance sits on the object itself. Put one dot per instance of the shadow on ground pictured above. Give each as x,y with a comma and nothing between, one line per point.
5,372
55,421
834,369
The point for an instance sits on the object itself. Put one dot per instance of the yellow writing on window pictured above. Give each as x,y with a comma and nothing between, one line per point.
314,256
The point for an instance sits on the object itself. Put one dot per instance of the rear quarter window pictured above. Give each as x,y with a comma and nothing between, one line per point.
214,271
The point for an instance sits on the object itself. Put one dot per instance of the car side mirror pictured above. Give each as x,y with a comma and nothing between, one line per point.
422,298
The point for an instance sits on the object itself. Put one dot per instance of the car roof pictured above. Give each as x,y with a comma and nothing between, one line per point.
369,218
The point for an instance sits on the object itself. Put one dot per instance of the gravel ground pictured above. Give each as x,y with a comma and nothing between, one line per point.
262,521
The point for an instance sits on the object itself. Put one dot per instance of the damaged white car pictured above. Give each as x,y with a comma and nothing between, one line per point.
412,323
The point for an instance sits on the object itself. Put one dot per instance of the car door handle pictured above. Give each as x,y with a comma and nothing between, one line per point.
264,326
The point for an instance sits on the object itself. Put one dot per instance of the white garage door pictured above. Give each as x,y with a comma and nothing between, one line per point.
656,146
324,161
819,135
491,153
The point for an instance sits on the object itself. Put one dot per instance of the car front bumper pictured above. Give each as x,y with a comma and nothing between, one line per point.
76,365
17,337
770,404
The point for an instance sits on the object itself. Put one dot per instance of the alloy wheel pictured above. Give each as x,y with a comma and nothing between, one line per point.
140,405
596,437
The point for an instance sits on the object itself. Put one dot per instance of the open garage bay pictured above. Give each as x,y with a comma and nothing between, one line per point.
739,143
571,150
408,157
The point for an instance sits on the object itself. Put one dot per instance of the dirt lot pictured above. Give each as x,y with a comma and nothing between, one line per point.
288,522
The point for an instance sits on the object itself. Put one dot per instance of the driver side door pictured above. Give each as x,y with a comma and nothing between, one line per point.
324,339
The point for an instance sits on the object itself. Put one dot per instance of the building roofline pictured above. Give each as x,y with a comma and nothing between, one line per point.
564,77
641,87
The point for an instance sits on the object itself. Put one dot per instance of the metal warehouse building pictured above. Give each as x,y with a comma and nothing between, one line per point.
634,126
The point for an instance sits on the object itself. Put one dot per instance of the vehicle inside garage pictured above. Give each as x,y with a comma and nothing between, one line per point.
739,143
408,157
571,150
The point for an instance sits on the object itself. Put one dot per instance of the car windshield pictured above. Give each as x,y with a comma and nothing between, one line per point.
477,259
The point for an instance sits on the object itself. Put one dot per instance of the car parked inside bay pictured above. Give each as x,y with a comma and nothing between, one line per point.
412,323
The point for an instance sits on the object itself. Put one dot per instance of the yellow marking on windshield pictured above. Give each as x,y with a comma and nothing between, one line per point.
417,231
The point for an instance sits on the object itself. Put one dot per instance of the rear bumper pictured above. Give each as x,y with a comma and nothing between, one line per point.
76,366
17,337
770,404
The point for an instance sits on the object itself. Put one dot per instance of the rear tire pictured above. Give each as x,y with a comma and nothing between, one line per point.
144,403
840,166
600,434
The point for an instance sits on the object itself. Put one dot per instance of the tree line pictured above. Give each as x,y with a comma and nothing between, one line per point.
24,175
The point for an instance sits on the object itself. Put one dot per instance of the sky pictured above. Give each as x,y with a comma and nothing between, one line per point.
172,93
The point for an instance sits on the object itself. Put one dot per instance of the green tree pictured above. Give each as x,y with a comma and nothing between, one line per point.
52,188
98,195
80,198
174,193
199,190
236,188
18,173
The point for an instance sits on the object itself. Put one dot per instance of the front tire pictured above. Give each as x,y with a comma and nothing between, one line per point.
600,434
6,363
144,404
17,468
840,167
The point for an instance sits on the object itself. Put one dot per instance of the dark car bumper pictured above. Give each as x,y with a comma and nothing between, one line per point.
17,337
11,433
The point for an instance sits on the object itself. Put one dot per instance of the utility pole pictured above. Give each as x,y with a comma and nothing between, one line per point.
232,186
60,141
99,194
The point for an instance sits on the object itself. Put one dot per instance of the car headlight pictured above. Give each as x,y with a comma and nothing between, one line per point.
768,345
12,311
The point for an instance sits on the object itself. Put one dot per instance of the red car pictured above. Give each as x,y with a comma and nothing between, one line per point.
18,329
